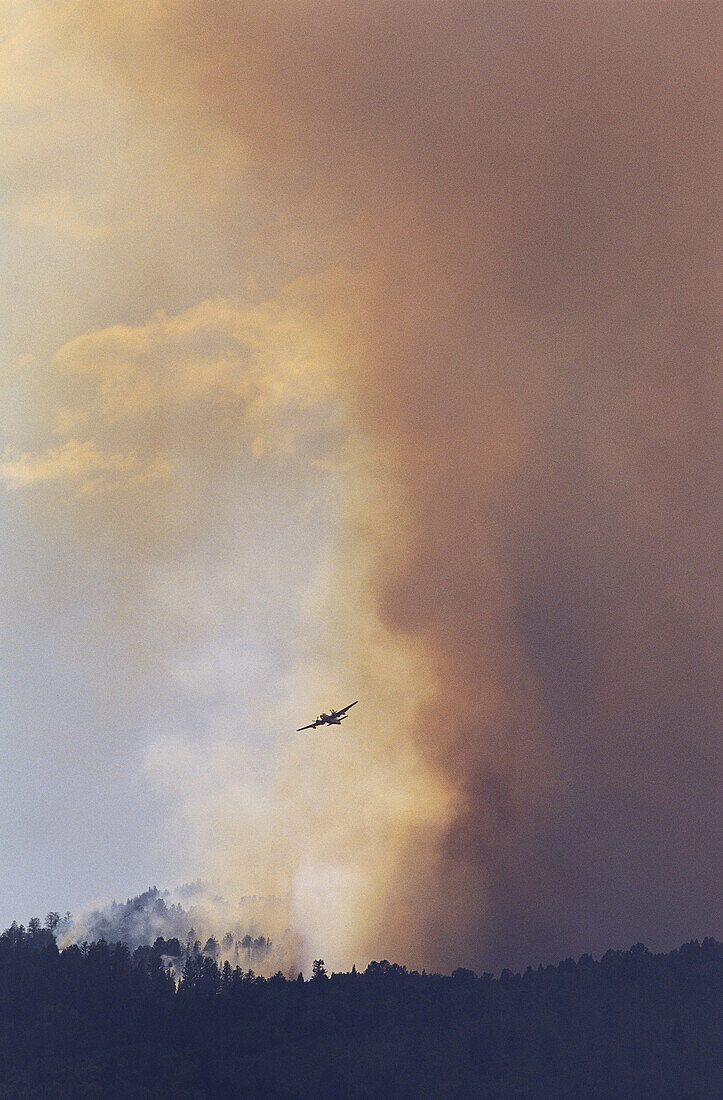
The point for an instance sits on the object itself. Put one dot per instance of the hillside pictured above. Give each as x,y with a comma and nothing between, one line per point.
99,1020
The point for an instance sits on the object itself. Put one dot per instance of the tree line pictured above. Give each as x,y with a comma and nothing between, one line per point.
102,1020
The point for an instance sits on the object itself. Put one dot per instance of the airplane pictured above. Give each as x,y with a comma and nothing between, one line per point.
334,718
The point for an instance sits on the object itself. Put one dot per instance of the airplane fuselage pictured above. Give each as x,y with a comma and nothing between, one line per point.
335,718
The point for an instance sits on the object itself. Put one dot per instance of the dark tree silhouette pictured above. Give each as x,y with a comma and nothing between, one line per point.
100,1020
318,970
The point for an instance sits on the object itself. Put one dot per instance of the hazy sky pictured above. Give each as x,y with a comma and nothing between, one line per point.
364,350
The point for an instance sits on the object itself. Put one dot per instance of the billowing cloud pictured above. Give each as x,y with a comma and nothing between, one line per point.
495,226
74,461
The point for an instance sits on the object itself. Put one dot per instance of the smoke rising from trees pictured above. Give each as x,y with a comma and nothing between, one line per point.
485,341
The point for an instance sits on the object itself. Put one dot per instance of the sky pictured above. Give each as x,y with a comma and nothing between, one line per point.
363,350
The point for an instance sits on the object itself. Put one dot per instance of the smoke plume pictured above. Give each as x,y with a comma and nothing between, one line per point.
501,220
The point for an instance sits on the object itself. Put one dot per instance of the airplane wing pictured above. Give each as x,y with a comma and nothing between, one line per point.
312,726
345,709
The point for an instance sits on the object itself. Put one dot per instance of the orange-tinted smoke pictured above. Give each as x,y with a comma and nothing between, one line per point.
530,190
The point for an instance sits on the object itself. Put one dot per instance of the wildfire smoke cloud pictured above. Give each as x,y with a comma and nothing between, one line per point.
501,220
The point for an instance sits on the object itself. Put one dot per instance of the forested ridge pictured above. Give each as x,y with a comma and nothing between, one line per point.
100,1020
